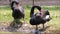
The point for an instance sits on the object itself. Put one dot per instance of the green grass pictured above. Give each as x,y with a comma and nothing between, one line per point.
6,12
6,15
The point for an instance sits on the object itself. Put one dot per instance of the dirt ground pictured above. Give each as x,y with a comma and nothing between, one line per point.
28,29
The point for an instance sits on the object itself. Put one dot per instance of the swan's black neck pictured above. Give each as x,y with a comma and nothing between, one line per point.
32,10
12,4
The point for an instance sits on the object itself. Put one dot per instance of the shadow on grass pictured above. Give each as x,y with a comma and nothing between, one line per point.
13,27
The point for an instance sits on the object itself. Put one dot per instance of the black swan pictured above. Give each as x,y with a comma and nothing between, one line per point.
17,12
39,18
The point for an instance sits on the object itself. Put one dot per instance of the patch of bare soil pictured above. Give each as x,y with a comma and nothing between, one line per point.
27,28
